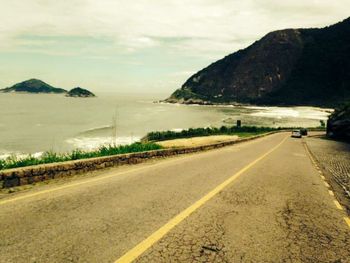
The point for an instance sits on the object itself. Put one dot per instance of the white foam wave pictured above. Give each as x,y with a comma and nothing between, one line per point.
177,130
4,156
93,143
297,112
18,155
96,131
277,113
99,128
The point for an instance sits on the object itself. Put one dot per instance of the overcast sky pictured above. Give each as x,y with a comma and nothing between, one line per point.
139,45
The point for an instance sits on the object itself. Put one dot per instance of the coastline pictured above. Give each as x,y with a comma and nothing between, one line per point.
243,105
14,177
28,129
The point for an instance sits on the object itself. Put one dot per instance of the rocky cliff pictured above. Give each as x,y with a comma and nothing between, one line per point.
286,67
338,124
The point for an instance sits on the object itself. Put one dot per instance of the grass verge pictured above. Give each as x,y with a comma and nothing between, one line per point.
243,131
148,144
51,157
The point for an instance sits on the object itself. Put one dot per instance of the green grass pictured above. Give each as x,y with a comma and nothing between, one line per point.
148,144
52,157
249,134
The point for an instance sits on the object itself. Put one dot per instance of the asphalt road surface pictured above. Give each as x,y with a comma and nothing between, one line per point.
259,201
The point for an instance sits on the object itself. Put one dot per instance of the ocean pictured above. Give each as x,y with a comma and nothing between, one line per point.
35,123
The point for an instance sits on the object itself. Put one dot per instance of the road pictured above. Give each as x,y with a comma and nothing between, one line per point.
334,159
259,201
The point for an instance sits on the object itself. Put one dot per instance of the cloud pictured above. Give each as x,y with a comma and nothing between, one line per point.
112,44
189,25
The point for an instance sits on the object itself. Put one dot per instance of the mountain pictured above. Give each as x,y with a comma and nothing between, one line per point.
285,67
79,92
33,86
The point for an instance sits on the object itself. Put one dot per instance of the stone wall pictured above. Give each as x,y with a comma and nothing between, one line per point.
38,173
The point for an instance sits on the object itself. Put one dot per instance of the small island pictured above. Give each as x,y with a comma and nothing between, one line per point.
37,86
80,93
33,86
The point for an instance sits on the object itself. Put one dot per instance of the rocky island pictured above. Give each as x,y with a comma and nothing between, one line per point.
36,86
79,93
33,86
286,67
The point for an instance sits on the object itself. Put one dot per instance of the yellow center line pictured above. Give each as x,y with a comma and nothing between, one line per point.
140,248
338,205
347,220
326,184
331,192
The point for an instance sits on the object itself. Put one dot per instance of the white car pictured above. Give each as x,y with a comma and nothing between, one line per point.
296,134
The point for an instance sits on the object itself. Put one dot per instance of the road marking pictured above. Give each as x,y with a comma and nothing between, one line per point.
140,248
92,180
347,220
318,169
338,205
25,196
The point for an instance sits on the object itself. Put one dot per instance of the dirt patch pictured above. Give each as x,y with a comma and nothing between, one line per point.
198,141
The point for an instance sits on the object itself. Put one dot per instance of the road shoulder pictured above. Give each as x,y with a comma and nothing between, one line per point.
333,159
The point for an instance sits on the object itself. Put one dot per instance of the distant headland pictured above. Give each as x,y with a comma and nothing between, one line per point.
285,67
37,86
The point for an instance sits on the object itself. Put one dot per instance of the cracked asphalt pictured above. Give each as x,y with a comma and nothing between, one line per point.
279,210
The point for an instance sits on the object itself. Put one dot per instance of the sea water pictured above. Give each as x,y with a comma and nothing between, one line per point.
34,123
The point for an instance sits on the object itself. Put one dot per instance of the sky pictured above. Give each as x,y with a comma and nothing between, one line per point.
139,46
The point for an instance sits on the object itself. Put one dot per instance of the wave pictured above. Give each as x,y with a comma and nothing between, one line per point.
297,112
177,130
93,143
97,130
18,155
82,143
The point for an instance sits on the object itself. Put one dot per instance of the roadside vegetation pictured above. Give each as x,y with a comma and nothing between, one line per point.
243,131
148,143
52,157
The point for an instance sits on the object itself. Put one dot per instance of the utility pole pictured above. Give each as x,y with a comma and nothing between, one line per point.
114,128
